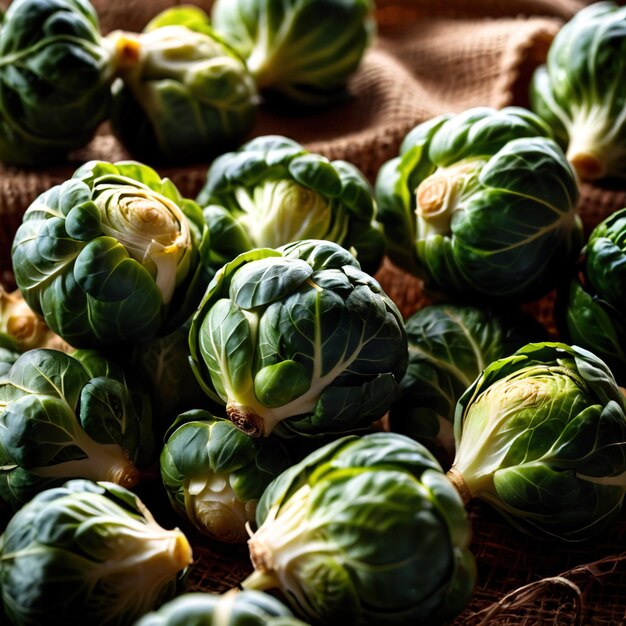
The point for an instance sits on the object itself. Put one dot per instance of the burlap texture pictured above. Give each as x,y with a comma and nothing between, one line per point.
429,57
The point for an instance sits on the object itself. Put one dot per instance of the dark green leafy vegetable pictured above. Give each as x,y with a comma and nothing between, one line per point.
541,436
88,553
271,191
8,356
481,205
214,474
183,93
449,346
366,530
55,76
305,50
581,93
111,255
235,608
162,366
591,307
298,340
67,417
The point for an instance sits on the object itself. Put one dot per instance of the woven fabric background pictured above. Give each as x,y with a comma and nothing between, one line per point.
429,57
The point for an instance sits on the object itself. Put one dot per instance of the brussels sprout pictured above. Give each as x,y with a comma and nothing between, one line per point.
55,76
591,307
183,94
449,346
581,91
88,553
298,340
541,436
162,366
7,358
21,329
365,530
214,474
64,417
305,50
481,205
234,608
272,191
111,255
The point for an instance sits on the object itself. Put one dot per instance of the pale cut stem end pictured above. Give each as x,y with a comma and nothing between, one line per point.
182,554
126,475
456,478
245,419
260,581
587,166
127,47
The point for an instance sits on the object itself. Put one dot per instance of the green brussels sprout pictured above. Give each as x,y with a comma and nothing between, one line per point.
541,436
234,608
183,93
161,365
55,76
580,92
449,346
591,307
214,474
88,553
365,530
481,205
305,50
111,255
67,417
8,356
271,191
298,340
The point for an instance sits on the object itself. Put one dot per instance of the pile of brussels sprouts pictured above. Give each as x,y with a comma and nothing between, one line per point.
184,89
239,347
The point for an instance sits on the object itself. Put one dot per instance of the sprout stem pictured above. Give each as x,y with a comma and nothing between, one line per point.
456,478
260,581
245,419
127,48
587,165
182,555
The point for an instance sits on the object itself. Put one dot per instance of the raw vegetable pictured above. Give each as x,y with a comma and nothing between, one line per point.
366,530
21,329
111,255
162,366
298,340
305,50
183,93
271,191
214,474
8,356
541,436
67,417
591,307
243,608
88,553
449,346
580,92
481,205
55,76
